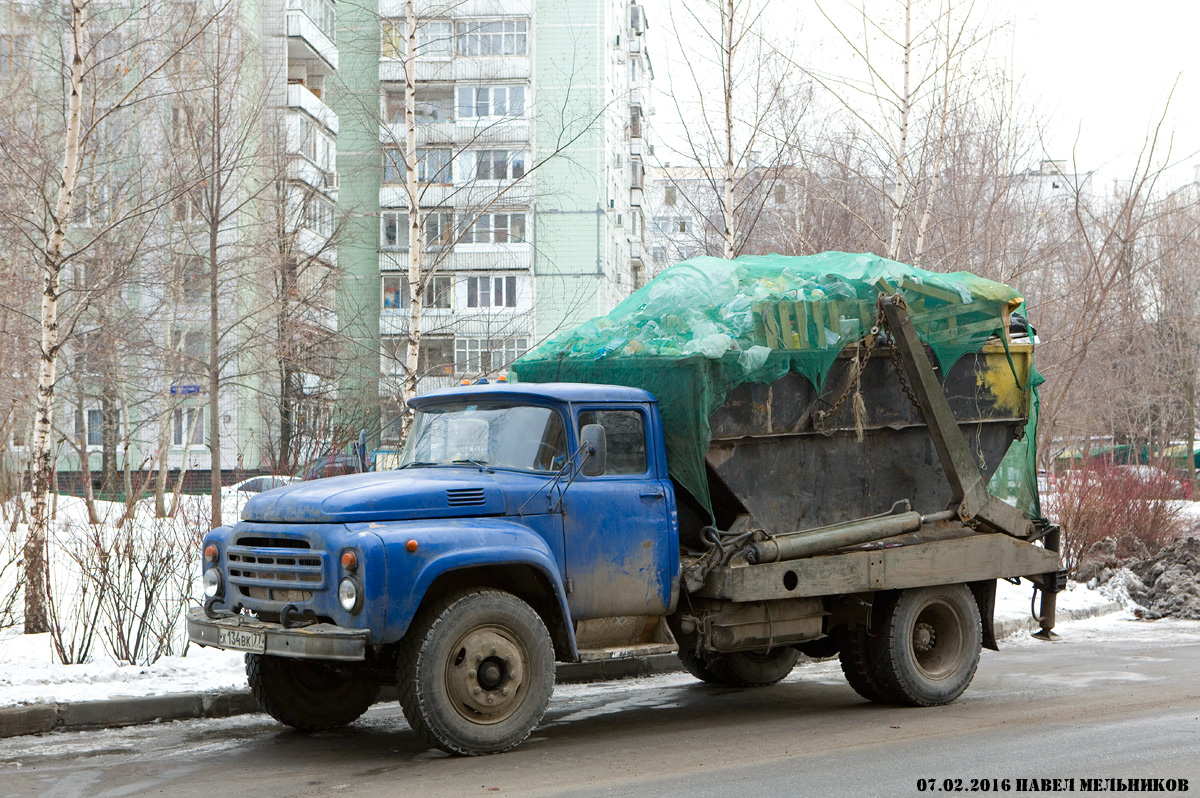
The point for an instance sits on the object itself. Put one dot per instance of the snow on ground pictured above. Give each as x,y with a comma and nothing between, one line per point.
29,673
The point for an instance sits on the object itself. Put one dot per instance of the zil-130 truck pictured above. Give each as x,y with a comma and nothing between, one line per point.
744,462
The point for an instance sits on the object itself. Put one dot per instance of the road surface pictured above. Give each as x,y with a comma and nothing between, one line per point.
1113,699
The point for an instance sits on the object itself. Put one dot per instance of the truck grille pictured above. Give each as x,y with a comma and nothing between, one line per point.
465,497
276,569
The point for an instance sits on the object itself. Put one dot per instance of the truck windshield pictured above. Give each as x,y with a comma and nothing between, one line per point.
505,436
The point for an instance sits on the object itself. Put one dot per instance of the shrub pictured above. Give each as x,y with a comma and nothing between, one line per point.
1134,505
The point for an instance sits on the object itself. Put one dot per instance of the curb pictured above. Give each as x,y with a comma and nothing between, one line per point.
134,710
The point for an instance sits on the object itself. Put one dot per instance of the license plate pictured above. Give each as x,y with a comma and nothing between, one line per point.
242,640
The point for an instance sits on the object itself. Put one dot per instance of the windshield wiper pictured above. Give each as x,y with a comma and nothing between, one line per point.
415,463
483,466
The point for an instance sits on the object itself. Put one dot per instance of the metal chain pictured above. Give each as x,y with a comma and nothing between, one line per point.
860,364
904,386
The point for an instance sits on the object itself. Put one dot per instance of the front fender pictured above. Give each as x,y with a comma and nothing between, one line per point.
449,544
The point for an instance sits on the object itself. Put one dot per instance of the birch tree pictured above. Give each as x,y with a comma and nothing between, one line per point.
92,62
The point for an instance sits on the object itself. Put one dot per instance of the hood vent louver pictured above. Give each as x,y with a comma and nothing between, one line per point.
465,497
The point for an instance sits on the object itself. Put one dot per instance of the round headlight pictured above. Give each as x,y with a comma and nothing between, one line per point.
212,582
348,594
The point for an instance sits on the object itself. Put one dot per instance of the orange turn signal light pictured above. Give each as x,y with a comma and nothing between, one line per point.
210,552
411,545
349,560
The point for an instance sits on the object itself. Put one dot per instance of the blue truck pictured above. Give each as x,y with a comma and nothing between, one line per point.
534,523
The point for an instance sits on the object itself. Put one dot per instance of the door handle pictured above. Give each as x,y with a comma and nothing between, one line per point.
652,494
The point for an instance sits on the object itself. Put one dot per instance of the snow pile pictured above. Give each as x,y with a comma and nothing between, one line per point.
1168,584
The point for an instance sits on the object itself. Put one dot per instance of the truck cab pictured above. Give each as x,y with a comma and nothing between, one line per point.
529,509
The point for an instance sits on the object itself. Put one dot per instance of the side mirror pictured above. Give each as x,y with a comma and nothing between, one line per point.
595,450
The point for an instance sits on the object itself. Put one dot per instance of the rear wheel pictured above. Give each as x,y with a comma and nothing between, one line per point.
862,672
306,694
476,672
928,645
741,668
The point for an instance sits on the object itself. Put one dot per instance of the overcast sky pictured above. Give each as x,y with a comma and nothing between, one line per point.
1097,72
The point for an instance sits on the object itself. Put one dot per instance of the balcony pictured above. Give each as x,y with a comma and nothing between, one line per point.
299,97
472,194
514,257
310,30
305,171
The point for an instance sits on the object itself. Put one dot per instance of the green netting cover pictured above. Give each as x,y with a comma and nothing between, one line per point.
707,325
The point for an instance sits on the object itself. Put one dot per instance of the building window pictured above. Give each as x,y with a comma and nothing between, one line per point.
635,121
393,232
492,292
780,193
437,294
499,164
193,278
433,166
430,107
95,428
318,216
93,204
433,38
317,145
323,13
188,207
482,355
636,174
491,101
491,37
188,424
495,228
436,359
669,195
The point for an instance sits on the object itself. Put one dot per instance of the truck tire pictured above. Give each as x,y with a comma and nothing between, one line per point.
476,672
859,668
928,645
741,668
859,657
307,695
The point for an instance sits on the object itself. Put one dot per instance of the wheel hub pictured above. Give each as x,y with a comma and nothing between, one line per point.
485,673
924,638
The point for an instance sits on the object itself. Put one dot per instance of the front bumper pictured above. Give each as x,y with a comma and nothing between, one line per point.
318,641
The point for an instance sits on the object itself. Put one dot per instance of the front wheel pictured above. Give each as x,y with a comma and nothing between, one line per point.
476,672
307,695
928,645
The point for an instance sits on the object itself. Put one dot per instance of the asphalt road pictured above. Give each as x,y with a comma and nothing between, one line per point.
1113,699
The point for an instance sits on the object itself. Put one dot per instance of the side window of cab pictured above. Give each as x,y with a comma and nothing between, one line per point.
625,434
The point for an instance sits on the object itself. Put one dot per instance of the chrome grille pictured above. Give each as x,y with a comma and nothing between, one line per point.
465,497
276,565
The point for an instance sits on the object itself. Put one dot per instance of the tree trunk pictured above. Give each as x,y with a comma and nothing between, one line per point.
37,618
730,236
416,280
900,197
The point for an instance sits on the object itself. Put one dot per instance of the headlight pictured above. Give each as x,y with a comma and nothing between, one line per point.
348,594
212,583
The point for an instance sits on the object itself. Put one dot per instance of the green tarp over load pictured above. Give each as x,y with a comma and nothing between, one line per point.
707,325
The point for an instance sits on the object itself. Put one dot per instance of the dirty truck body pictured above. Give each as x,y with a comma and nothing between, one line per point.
534,523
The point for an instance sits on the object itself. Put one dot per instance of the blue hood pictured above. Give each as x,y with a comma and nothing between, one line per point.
392,496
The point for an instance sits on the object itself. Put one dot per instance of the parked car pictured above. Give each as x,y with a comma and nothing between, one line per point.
236,495
330,465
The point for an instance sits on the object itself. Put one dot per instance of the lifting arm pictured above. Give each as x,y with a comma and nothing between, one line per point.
970,498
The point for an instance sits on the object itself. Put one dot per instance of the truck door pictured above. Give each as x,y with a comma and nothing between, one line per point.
621,551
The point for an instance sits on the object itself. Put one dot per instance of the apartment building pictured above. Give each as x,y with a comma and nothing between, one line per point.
204,225
529,129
